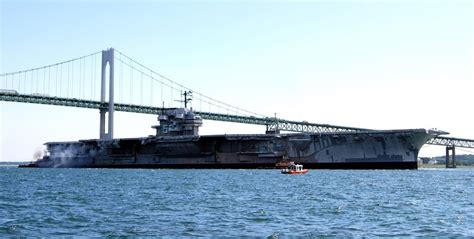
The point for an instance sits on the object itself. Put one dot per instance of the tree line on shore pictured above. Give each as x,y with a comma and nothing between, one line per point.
461,159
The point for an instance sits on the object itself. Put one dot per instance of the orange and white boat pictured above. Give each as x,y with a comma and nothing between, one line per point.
294,169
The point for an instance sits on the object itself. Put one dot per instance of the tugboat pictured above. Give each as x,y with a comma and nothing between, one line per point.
294,169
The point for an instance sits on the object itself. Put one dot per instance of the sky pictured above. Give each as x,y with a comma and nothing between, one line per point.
370,64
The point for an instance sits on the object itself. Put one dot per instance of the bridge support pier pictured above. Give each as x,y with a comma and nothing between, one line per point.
450,160
107,58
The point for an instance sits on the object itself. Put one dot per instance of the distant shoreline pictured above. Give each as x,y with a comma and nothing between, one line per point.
14,163
443,166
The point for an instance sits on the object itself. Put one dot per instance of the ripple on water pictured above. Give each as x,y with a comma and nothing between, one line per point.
229,203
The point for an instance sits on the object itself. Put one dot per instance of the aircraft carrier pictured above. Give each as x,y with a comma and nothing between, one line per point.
177,144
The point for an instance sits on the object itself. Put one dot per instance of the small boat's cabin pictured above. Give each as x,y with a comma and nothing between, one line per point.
293,167
298,167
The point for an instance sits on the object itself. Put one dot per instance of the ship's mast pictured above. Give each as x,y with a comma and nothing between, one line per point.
187,98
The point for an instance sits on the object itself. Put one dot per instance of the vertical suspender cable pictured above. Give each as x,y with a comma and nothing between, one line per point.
37,79
68,79
141,86
72,80
92,78
28,80
56,81
95,77
162,102
49,80
79,73
151,87
61,79
171,95
80,78
131,82
19,82
121,80
83,78
44,80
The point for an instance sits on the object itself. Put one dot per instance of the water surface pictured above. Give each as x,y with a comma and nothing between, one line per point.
228,203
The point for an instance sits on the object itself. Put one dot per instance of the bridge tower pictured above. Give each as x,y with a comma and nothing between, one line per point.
107,58
450,160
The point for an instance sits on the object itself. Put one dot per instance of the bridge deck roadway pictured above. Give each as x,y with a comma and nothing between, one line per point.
284,125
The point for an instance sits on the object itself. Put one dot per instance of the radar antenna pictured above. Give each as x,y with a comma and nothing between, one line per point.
187,98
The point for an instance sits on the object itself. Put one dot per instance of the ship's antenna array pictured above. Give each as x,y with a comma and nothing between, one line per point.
187,97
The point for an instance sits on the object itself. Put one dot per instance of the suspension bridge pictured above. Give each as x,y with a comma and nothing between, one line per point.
129,86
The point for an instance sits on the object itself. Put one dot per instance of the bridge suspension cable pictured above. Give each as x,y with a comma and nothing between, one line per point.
68,79
177,88
48,66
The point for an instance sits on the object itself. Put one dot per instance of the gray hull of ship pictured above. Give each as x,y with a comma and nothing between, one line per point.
389,149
